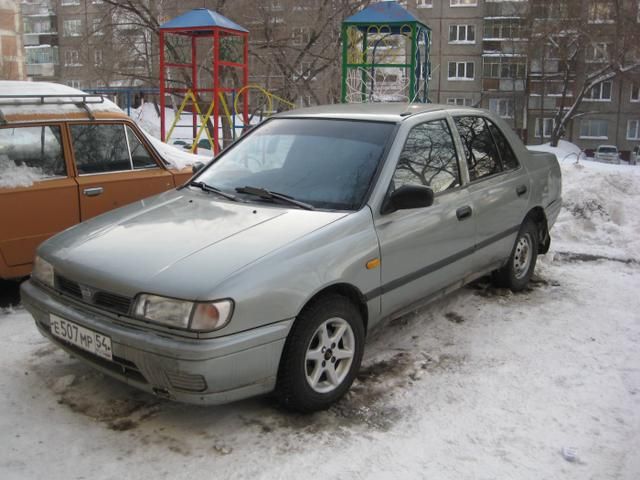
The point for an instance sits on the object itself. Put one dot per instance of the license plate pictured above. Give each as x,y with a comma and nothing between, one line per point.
81,337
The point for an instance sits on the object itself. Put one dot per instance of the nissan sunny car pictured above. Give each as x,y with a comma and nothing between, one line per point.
268,269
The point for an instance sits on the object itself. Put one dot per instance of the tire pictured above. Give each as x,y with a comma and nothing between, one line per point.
516,274
317,369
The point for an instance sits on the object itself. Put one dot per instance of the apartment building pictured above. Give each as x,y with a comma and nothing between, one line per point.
480,56
11,52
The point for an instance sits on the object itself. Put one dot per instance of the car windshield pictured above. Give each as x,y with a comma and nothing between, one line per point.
324,163
608,150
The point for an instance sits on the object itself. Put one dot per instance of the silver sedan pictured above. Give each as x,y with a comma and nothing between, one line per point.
268,269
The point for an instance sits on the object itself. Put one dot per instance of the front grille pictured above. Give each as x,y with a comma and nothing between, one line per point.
111,301
68,286
99,298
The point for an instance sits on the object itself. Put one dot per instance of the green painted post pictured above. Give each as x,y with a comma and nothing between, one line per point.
344,64
363,69
412,73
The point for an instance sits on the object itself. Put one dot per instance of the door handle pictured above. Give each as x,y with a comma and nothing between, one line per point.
93,192
521,190
464,212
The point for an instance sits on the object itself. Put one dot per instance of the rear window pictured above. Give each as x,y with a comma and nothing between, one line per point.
30,153
608,150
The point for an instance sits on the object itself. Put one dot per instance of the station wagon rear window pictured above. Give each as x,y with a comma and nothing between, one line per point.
34,151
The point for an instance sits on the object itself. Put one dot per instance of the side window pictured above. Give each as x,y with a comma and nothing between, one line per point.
428,158
509,159
30,153
140,156
100,148
480,151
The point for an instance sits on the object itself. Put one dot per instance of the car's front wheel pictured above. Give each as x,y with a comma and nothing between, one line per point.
522,261
322,354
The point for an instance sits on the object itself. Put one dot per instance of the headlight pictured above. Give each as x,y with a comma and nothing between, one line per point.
202,317
42,271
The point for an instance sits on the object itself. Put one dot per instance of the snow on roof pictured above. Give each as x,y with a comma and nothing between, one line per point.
62,100
383,12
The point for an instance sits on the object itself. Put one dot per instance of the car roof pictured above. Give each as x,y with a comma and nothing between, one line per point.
35,101
607,146
378,111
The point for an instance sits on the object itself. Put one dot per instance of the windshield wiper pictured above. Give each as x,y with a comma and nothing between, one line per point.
269,195
210,189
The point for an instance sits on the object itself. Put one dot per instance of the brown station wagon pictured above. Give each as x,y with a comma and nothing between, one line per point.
65,157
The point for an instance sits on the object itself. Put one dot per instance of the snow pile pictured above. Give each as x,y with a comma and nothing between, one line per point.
565,151
600,206
175,157
14,176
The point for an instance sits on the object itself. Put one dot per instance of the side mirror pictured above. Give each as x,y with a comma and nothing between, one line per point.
197,167
407,197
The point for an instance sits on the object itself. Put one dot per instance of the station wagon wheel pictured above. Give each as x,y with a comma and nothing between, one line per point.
322,354
519,268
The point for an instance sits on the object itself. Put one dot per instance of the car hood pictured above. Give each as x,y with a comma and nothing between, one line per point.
180,244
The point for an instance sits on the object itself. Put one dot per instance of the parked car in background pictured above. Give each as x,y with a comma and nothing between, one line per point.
279,257
607,153
66,157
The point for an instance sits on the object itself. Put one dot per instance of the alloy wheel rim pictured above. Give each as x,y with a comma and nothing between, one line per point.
329,355
522,256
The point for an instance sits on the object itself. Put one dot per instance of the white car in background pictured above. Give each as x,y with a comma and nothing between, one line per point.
607,153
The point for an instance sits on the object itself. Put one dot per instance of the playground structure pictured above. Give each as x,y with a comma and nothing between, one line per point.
204,62
385,56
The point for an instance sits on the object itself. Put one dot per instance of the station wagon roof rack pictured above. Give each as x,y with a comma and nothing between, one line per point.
81,100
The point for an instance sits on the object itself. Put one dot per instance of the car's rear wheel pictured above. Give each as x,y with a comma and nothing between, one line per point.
322,354
522,261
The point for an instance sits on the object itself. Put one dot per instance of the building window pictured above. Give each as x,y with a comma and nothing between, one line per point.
500,29
96,26
594,129
597,52
73,83
462,34
504,67
635,92
459,101
70,2
71,57
464,3
633,130
601,11
72,28
600,93
97,57
300,35
461,70
424,3
503,107
544,127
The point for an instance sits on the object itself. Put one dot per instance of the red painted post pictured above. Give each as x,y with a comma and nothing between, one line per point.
216,90
194,87
245,113
162,85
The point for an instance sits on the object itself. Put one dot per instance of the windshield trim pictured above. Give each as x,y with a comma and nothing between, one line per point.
374,178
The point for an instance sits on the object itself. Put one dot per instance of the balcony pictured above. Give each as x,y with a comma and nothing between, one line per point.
41,70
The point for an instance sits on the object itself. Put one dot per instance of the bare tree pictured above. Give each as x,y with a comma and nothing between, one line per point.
577,50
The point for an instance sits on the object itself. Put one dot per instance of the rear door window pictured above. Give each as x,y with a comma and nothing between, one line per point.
483,159
509,159
32,153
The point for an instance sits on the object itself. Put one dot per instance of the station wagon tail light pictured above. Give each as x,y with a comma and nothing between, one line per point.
183,314
42,271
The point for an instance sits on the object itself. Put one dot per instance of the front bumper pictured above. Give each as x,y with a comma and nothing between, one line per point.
201,371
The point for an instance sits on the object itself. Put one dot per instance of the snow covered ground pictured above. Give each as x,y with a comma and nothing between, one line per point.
483,384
